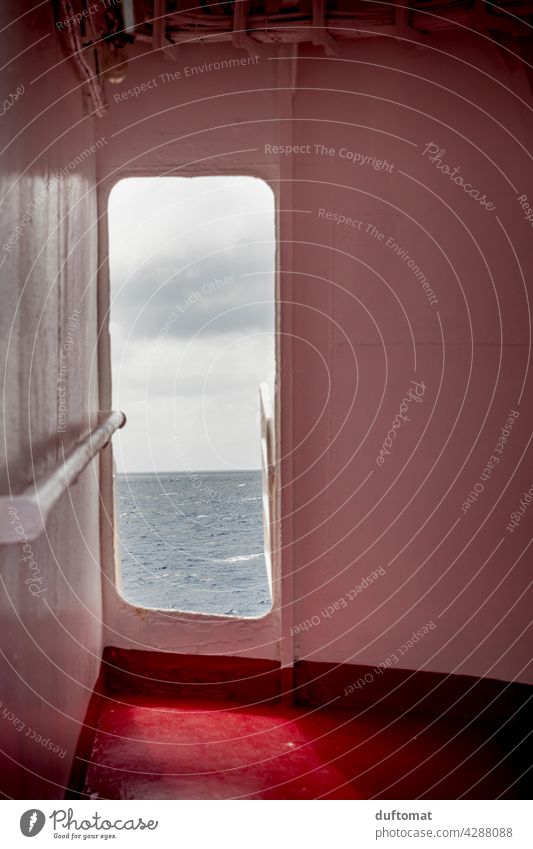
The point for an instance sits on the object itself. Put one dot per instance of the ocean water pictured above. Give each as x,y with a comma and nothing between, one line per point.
193,541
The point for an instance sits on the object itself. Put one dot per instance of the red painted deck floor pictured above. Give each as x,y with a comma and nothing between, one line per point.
166,749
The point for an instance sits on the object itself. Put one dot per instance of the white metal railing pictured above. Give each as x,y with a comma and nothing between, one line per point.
267,474
23,517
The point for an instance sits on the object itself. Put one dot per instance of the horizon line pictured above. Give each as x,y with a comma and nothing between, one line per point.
190,471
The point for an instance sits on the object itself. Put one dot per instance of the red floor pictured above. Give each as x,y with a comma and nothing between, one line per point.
165,749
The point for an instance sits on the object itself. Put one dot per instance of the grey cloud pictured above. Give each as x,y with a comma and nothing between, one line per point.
216,291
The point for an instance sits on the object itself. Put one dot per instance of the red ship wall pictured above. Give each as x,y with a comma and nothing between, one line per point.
417,302
51,591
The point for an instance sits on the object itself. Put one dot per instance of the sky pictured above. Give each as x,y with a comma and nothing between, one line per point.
192,262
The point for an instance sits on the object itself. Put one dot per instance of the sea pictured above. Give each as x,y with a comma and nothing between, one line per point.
193,541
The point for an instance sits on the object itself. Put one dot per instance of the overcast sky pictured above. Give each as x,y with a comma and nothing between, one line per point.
192,319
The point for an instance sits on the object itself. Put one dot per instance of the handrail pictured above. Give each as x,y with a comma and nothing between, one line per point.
23,517
267,474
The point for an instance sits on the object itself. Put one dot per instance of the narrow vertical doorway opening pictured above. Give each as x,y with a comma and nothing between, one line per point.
192,320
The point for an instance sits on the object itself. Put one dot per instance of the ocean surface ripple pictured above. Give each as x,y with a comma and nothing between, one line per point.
193,542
